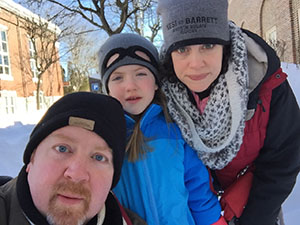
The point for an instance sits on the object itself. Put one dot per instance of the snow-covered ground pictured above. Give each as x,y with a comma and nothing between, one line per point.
14,134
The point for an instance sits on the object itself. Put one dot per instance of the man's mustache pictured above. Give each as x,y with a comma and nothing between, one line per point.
72,189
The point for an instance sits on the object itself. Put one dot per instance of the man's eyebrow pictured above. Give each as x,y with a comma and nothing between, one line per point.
103,148
63,136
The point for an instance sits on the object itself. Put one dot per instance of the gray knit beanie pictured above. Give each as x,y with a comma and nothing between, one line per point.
126,45
188,22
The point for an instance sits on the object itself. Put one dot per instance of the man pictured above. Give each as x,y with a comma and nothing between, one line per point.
4,179
72,161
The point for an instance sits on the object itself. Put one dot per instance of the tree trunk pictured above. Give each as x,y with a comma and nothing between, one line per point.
38,93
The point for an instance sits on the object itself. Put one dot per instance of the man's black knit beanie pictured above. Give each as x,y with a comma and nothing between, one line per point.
101,114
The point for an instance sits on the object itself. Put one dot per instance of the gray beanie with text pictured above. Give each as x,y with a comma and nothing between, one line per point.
188,22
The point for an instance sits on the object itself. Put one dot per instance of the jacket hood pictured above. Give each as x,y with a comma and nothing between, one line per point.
262,63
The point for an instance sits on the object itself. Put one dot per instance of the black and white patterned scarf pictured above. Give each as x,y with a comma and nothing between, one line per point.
217,134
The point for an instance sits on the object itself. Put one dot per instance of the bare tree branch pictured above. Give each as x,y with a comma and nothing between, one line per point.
111,16
44,39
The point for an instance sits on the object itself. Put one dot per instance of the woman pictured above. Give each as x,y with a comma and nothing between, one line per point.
227,93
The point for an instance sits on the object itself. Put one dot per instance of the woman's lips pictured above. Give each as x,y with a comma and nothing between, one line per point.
198,76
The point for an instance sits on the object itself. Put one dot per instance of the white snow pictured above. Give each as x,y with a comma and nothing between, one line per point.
14,134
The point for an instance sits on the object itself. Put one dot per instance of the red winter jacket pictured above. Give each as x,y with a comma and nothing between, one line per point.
271,144
255,132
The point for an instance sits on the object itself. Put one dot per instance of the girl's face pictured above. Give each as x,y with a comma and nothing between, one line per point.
197,66
134,86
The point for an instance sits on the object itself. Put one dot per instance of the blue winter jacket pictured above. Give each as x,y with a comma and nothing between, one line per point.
170,185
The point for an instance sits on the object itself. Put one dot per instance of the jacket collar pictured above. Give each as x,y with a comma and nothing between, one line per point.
262,63
151,113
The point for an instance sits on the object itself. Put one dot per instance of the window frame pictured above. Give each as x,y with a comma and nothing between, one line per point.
32,61
9,99
5,68
271,35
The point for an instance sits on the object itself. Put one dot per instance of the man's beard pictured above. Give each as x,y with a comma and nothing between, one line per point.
59,214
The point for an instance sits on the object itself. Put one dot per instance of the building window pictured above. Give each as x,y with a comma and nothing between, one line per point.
271,36
10,104
9,98
5,73
277,44
32,53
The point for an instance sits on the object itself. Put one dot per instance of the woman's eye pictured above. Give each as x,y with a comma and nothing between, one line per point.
61,148
181,50
99,158
141,74
208,46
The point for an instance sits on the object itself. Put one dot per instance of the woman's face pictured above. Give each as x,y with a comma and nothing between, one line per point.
197,66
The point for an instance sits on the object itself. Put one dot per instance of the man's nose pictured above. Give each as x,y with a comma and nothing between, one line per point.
77,170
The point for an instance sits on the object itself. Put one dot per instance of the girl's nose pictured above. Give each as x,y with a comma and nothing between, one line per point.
130,84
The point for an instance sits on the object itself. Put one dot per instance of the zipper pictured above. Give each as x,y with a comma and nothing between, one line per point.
243,171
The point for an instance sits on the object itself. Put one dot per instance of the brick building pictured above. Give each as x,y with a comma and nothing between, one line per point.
18,79
276,21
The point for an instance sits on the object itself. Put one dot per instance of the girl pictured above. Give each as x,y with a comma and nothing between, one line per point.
162,179
227,93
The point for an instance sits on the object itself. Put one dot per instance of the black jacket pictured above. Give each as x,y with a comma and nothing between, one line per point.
278,162
16,202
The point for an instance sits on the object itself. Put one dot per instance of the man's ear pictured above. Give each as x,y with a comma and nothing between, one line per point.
31,161
28,167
